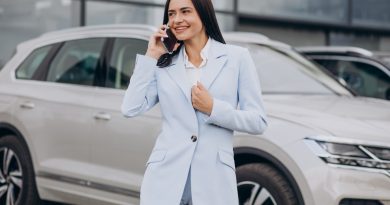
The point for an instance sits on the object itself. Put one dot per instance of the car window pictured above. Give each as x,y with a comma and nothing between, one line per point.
279,72
27,69
365,79
123,61
76,62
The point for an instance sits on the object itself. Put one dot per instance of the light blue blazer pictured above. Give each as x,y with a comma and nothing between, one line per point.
230,77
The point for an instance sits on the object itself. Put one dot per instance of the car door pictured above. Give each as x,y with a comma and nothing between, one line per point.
55,112
121,145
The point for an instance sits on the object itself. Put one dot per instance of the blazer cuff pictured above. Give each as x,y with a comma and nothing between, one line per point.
218,112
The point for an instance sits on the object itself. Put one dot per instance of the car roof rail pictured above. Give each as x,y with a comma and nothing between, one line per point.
252,37
346,50
141,27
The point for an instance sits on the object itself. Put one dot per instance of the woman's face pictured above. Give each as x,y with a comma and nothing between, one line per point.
184,20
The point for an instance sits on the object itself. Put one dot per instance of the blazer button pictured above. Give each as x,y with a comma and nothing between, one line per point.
194,138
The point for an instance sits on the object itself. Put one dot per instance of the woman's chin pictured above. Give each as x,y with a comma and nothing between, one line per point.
181,37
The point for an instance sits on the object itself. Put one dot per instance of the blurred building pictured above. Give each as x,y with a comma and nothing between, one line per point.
363,23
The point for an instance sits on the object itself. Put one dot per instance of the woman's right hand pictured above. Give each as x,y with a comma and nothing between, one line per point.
155,46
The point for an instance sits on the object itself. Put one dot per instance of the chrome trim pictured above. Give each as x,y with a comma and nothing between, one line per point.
89,184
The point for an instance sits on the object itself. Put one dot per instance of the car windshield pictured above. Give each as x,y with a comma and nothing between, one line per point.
282,71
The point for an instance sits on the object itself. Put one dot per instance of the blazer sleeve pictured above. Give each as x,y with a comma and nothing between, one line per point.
250,117
141,94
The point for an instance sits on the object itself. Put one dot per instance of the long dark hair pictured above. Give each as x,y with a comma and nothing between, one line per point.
206,12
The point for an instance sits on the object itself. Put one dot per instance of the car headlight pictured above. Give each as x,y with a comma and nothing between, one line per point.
381,153
342,149
348,153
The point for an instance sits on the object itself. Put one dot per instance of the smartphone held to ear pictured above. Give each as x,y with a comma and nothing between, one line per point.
170,41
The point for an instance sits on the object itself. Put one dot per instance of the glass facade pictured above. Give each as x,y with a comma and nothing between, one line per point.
225,5
367,41
109,13
371,13
21,20
307,10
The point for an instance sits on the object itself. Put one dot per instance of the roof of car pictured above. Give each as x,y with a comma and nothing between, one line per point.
111,27
344,50
112,30
251,37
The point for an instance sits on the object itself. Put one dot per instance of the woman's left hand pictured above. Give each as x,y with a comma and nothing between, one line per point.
201,99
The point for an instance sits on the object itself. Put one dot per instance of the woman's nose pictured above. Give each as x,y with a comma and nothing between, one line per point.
178,18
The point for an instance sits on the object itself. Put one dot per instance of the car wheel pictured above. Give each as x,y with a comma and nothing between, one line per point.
262,184
17,182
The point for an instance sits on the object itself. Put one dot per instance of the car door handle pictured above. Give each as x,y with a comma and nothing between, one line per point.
27,105
102,116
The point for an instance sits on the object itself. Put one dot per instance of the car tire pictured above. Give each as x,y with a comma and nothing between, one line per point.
17,178
261,183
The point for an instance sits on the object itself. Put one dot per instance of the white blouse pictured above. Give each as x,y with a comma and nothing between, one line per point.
194,73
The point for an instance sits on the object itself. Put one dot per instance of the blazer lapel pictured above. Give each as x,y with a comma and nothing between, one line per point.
217,60
178,74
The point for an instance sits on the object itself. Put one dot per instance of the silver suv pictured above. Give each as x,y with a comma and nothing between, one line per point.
63,137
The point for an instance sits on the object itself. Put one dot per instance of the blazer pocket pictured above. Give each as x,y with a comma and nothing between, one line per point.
156,156
227,158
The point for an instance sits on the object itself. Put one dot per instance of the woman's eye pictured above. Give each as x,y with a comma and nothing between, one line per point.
186,11
170,14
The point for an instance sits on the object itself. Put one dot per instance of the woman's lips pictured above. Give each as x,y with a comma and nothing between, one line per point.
180,29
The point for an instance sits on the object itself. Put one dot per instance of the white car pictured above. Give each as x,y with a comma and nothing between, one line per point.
63,137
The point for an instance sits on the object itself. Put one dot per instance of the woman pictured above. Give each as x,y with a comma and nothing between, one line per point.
199,89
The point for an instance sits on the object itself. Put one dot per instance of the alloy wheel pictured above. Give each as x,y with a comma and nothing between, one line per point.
252,193
11,183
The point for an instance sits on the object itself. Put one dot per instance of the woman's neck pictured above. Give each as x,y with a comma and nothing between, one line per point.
194,46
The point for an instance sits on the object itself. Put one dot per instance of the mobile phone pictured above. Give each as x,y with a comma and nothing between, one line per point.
170,41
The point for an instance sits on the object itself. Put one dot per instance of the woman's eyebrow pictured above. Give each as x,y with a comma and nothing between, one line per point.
184,8
181,9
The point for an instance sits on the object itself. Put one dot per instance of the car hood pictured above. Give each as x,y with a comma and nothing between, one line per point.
343,116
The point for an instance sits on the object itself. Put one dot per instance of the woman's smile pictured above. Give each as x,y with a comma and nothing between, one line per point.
181,29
